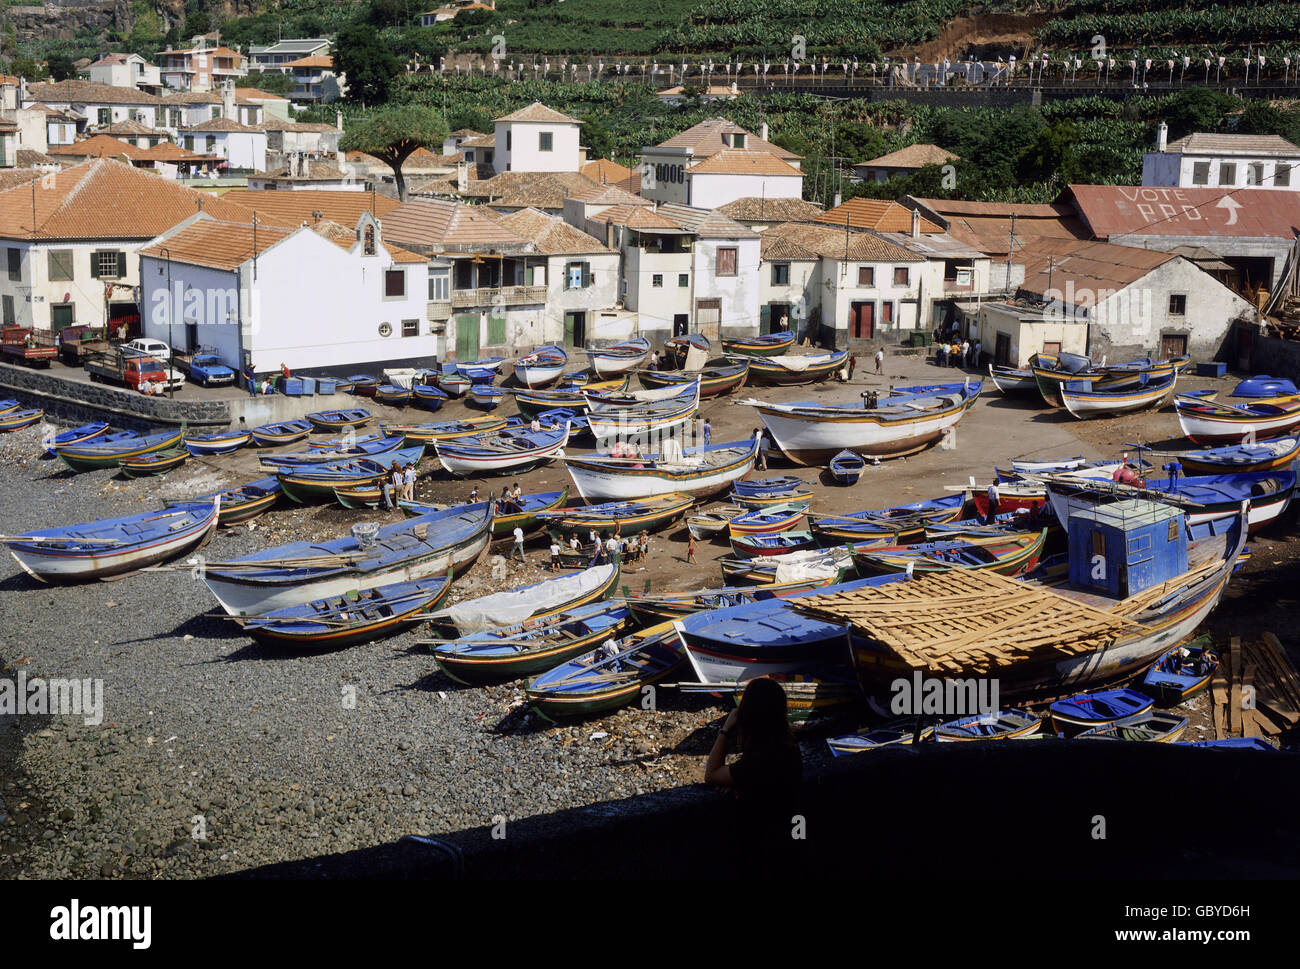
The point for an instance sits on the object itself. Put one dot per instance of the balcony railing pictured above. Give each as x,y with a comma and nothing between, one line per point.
439,309
507,295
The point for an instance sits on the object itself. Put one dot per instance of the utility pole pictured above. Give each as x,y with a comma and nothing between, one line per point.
1011,247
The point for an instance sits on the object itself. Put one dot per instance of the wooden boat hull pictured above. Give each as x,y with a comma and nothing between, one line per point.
753,502
763,546
895,734
18,419
446,431
88,457
504,523
259,593
1170,688
661,513
1272,455
158,462
303,633
542,368
1208,424
555,704
714,381
55,565
648,610
846,468
774,345
768,522
1152,727
1005,725
272,436
1098,403
429,397
1013,382
339,420
462,460
1012,555
612,361
604,480
768,372
393,396
225,444
542,610
77,435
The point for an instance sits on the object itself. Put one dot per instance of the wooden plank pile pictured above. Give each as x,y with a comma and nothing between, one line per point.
1255,691
969,621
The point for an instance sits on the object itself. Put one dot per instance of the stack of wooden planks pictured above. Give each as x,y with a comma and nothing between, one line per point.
970,621
1255,691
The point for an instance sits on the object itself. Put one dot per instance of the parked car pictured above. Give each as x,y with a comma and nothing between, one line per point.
205,368
120,367
147,345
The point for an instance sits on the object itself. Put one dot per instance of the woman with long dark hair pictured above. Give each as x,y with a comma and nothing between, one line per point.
770,767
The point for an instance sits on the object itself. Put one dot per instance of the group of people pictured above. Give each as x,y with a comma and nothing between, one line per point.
267,385
401,484
610,551
953,350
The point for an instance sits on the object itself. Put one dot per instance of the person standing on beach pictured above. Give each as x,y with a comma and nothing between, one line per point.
250,375
690,551
708,431
555,555
518,547
408,483
880,361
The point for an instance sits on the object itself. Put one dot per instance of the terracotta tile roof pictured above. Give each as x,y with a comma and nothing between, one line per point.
431,185
131,129
26,157
1089,266
219,51
105,199
97,146
54,113
551,235
13,177
519,185
882,215
315,60
1204,143
295,208
757,209
109,60
608,195
217,245
831,243
10,79
641,217
346,238
464,133
250,95
272,123
479,141
706,223
88,92
705,138
441,225
606,171
6,125
547,192
986,226
165,151
743,161
223,124
913,156
1116,210
538,112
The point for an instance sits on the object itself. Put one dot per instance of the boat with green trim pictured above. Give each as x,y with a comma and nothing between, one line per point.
93,455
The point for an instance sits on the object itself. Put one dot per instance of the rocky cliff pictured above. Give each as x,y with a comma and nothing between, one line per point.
67,18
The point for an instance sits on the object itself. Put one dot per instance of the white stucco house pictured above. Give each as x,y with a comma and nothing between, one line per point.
1203,160
537,139
126,70
241,146
666,168
322,299
98,105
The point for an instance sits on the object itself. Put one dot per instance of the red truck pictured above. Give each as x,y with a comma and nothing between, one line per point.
27,346
130,369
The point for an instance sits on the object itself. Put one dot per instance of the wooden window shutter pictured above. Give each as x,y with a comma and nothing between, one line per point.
121,265
94,265
586,275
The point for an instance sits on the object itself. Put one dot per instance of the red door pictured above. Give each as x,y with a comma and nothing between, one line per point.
862,320
887,315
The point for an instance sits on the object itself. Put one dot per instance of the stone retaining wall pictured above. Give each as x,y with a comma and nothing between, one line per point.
75,402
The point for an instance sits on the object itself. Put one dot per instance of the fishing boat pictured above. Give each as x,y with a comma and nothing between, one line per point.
377,493
621,518
780,543
524,512
485,396
773,498
530,647
1084,400
338,420
411,434
833,563
1095,709
429,396
222,442
363,385
649,420
239,504
846,468
155,462
351,618
306,482
281,432
610,676
715,380
1208,422
298,572
908,522
1006,554
651,608
1264,386
1201,497
537,602
1013,496
541,368
335,452
1009,724
112,547
79,435
482,370
1045,637
18,419
767,345
9,406
510,450
454,384
1249,458
1154,726
559,416
109,454
810,368
896,733
1026,466
767,486
1013,380
678,348
910,419
1181,673
618,359
769,520
706,525
393,395
696,471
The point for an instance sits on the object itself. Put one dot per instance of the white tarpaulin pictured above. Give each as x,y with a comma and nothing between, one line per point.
802,363
810,564
403,378
517,605
696,358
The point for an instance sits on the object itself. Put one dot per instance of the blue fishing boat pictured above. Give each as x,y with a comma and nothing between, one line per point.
364,385
541,368
335,452
112,547
907,522
337,420
769,519
1154,726
351,618
781,543
1009,724
1265,386
482,371
241,503
485,396
846,468
1182,672
281,432
559,416
537,602
106,453
298,572
97,431
896,733
8,406
620,518
18,419
222,442
1094,709
510,450
1243,458
618,359
304,482
393,395
765,486
429,396
755,502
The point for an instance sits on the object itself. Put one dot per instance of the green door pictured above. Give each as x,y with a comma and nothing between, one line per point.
496,331
61,316
467,336
575,329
